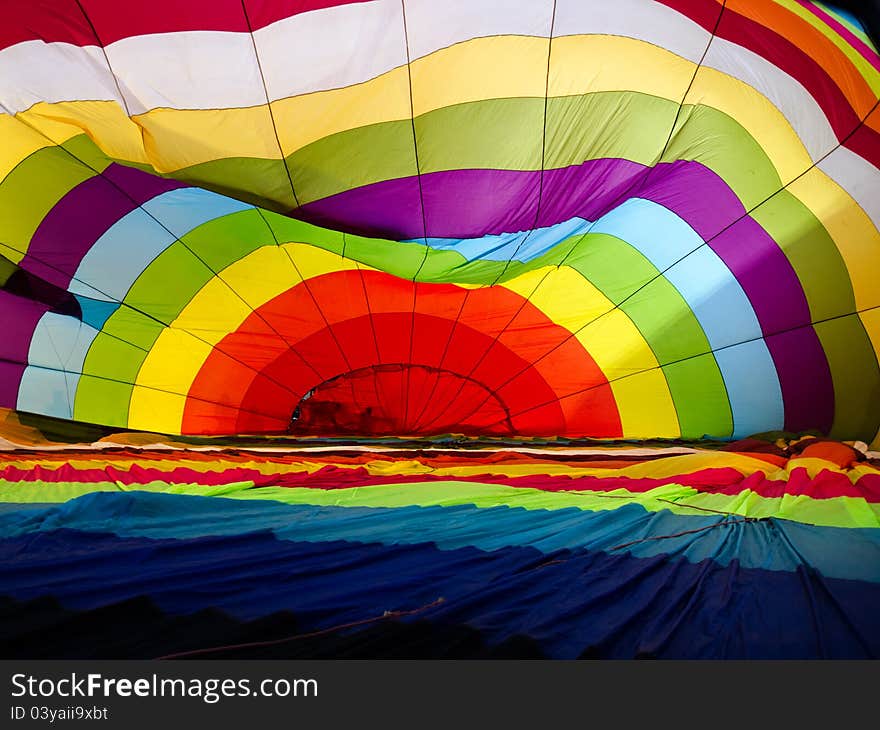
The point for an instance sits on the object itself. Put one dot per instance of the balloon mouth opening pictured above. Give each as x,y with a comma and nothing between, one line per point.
398,399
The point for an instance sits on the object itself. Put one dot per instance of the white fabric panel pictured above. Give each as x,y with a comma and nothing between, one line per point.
331,48
646,21
432,26
858,177
34,71
190,70
784,92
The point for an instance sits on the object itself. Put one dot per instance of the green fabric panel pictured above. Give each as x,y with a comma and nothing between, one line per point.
353,158
102,401
113,358
168,283
615,267
288,230
29,192
117,353
84,149
624,124
7,269
704,412
399,259
666,322
833,512
722,144
250,179
134,327
559,255
812,252
499,134
855,374
223,241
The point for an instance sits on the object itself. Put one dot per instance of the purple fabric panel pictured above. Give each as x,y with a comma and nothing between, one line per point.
702,199
807,388
474,203
20,318
83,215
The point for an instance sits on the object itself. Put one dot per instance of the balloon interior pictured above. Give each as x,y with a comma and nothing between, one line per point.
465,328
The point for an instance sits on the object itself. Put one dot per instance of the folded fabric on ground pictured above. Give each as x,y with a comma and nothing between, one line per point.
604,553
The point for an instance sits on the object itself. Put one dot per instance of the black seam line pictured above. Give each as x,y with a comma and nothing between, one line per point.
660,274
269,104
106,58
379,398
63,366
186,396
660,366
436,377
113,76
357,265
311,294
412,119
534,224
543,151
176,239
632,191
537,215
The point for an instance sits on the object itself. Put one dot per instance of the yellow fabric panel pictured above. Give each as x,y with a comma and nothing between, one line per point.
643,398
645,405
757,114
582,64
853,232
562,294
201,315
659,469
313,261
174,139
20,141
307,118
482,68
105,122
258,277
167,367
612,340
